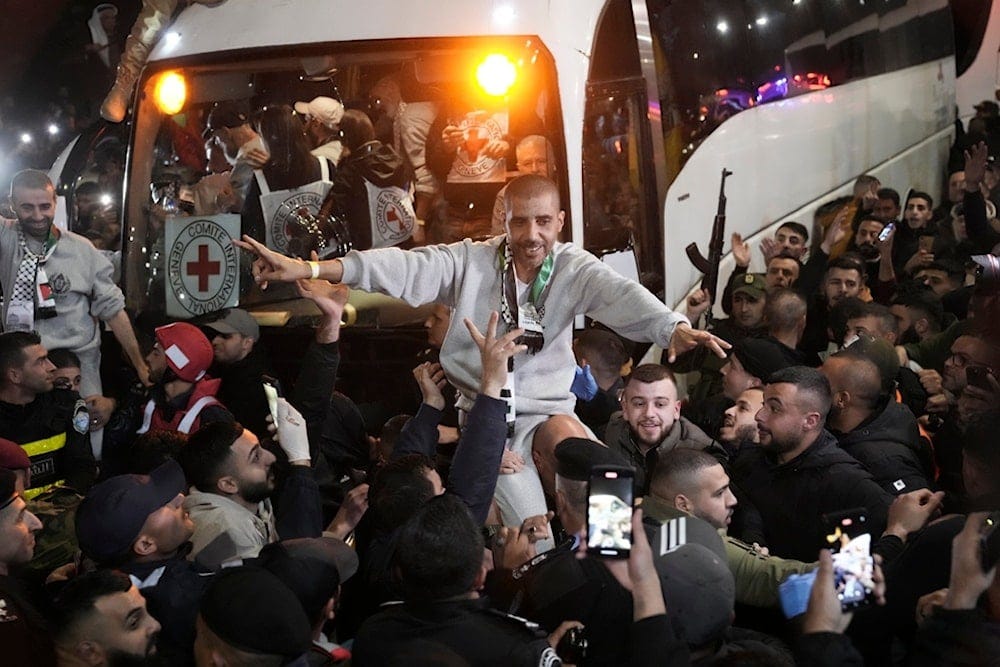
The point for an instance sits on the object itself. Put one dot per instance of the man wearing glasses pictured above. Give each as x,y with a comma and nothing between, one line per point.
964,389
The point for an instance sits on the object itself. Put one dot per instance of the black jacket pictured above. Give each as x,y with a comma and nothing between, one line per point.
459,632
375,163
242,391
556,586
889,446
957,638
683,434
173,588
792,497
24,634
60,415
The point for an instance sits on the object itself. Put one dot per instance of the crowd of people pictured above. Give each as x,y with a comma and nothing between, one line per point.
184,512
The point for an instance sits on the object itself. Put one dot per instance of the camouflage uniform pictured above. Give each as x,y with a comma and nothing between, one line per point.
55,543
757,576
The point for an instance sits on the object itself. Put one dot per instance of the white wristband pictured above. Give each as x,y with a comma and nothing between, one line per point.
314,267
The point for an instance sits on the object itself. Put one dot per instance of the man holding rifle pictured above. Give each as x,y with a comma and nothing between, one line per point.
537,284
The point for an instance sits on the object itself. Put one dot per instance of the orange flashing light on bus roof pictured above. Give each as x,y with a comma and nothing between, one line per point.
496,74
170,93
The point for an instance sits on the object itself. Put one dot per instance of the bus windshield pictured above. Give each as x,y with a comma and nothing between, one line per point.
322,150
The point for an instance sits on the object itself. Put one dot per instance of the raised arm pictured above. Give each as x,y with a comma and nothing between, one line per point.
476,464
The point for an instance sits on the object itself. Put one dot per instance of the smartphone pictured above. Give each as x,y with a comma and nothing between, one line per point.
978,376
272,390
989,543
850,542
926,243
884,234
610,498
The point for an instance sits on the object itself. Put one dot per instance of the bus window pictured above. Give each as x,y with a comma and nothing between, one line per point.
621,208
94,194
971,18
411,145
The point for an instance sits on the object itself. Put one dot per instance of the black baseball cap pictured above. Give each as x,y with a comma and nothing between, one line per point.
575,457
226,114
312,567
251,610
761,357
111,515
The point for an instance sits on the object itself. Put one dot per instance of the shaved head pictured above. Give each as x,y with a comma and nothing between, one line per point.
859,377
677,472
543,446
530,186
785,309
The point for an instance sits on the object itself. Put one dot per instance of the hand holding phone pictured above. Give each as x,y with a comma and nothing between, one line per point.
883,236
978,376
610,500
272,390
849,542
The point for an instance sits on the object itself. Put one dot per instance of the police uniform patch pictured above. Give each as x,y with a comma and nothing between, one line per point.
81,417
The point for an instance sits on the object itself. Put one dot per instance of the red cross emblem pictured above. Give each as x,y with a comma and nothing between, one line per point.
203,268
474,144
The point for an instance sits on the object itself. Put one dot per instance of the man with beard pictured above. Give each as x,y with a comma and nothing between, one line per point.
687,482
138,524
845,276
541,286
57,284
919,316
972,350
875,321
799,465
866,235
322,117
739,427
232,480
942,277
183,396
240,365
101,619
229,125
877,431
650,424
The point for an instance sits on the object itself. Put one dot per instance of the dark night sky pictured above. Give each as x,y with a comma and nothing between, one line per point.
36,36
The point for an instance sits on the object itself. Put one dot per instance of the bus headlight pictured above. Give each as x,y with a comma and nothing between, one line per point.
170,93
496,74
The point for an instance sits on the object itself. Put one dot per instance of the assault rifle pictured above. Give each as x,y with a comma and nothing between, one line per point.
710,265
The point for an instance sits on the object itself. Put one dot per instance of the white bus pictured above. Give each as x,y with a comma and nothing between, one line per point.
643,101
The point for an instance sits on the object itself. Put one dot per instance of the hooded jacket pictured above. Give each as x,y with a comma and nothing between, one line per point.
792,497
375,163
684,434
889,446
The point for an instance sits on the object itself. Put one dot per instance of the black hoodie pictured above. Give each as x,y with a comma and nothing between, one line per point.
889,446
375,163
792,497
